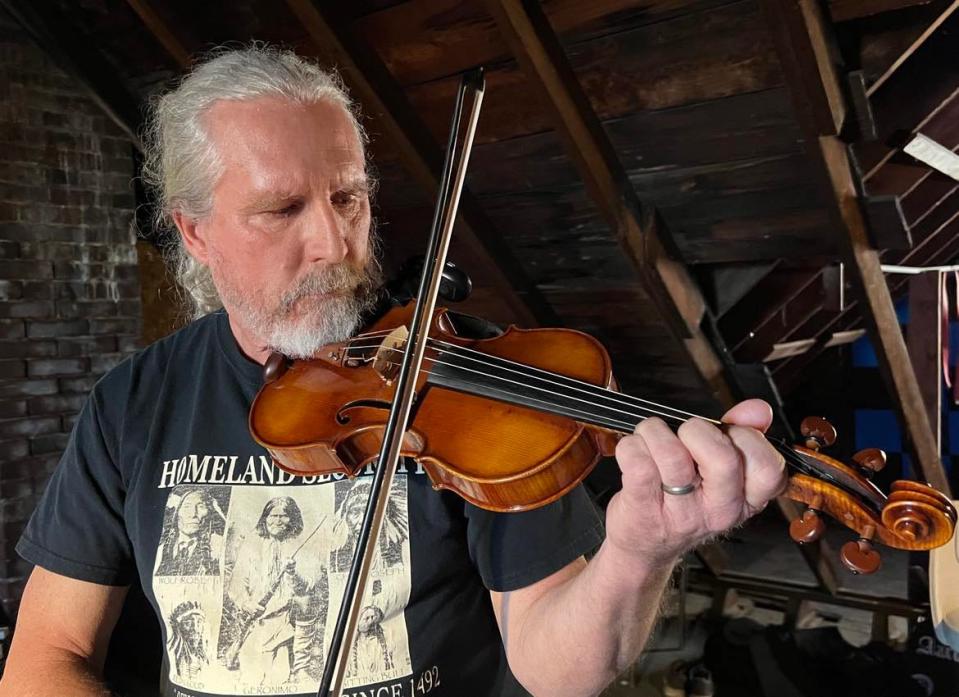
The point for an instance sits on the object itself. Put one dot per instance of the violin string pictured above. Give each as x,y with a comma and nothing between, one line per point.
638,416
609,422
623,426
577,385
574,383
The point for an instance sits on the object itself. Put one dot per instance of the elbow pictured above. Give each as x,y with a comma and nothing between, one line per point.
561,680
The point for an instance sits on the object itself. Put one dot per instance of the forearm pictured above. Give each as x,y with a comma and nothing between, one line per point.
51,673
577,637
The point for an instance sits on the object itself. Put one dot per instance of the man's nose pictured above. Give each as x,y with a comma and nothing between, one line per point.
326,238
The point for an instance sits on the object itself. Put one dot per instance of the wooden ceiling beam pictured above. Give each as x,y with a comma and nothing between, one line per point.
637,228
54,35
802,37
384,100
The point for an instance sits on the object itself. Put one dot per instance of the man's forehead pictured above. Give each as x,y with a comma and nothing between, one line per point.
281,142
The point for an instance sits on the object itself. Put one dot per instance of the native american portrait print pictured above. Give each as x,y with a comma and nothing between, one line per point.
249,579
189,640
192,539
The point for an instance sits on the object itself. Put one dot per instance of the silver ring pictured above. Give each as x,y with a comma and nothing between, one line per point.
681,490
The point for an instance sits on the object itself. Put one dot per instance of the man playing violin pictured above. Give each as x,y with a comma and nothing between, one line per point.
259,163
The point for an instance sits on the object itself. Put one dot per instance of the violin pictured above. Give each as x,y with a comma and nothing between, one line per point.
514,422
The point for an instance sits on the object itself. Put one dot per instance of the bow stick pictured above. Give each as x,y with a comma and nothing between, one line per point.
454,173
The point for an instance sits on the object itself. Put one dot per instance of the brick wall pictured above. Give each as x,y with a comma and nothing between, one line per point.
69,286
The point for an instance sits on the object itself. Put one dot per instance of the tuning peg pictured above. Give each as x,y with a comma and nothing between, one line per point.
810,526
818,432
859,556
870,461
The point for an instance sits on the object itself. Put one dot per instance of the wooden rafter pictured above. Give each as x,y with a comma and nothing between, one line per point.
161,32
844,10
799,30
533,42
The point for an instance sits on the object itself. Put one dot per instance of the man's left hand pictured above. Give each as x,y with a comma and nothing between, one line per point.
735,469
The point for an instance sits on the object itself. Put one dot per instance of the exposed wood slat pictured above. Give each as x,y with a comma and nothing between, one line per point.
844,337
934,237
771,294
924,341
786,349
799,29
913,47
844,10
738,58
424,40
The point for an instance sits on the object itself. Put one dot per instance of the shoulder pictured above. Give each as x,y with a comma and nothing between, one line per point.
161,357
141,378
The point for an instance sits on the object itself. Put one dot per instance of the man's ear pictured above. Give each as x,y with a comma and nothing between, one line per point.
193,236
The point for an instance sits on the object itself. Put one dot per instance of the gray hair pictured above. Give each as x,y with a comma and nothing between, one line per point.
181,165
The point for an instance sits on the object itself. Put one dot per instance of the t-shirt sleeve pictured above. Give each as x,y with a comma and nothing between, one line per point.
514,550
77,529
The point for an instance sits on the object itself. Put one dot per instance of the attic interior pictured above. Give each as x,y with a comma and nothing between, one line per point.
731,196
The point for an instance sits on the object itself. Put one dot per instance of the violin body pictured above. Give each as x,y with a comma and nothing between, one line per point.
514,422
327,415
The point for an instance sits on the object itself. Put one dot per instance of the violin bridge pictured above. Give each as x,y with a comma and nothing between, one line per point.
389,355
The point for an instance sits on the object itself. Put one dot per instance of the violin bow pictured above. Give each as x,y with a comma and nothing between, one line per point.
451,186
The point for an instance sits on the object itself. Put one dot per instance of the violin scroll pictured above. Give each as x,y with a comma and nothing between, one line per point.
914,516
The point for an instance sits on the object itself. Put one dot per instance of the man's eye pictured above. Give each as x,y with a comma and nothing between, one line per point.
287,210
345,199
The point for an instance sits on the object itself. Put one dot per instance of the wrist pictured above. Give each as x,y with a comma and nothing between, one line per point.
634,567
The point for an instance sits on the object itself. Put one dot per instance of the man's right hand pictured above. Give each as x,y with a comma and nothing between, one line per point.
253,608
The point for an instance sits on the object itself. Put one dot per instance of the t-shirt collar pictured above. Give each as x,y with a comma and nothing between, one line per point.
248,370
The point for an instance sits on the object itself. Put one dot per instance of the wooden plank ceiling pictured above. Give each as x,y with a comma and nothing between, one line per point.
690,96
698,113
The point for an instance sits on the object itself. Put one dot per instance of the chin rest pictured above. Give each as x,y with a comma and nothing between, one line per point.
944,591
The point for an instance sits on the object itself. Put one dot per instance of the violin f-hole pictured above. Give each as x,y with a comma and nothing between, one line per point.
343,418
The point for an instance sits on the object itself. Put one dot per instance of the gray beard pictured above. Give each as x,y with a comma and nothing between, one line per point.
319,321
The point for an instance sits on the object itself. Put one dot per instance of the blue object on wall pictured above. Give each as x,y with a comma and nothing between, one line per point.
877,428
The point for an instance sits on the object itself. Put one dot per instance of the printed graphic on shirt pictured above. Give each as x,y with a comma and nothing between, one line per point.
249,579
193,526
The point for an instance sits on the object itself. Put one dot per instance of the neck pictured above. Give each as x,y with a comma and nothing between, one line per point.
250,346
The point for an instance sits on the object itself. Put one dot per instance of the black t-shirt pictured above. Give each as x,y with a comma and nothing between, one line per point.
244,564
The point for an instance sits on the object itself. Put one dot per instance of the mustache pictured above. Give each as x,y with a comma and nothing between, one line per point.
339,279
